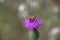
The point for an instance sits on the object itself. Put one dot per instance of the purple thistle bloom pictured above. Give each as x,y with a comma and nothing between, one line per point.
32,22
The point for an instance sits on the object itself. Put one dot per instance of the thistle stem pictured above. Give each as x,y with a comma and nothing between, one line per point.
33,35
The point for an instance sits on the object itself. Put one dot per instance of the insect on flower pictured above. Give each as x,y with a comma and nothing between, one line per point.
32,22
31,19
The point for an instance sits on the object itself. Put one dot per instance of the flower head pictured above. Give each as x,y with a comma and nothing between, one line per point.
32,22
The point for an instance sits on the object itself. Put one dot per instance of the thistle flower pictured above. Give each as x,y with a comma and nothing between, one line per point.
32,22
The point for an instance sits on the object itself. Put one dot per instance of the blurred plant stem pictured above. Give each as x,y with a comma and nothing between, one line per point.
33,35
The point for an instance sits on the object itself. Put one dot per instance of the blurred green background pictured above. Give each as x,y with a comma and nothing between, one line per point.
11,27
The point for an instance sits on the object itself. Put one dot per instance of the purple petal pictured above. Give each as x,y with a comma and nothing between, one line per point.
33,25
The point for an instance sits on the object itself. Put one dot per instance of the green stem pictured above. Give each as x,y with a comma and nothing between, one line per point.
33,35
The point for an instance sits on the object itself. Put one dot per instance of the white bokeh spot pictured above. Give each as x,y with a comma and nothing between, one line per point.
55,9
54,31
1,1
21,7
33,3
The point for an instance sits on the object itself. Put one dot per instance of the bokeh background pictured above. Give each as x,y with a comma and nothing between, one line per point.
13,12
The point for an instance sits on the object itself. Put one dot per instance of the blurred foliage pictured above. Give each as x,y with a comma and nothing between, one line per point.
58,37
